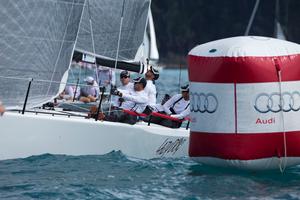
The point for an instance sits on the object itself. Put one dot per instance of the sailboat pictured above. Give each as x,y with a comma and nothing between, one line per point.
39,40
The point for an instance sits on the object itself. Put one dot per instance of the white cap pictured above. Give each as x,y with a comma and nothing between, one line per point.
89,79
185,88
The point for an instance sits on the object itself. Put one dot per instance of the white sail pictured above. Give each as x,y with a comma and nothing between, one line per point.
101,26
279,32
37,38
148,49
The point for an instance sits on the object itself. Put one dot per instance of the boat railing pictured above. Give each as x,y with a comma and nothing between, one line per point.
164,116
157,114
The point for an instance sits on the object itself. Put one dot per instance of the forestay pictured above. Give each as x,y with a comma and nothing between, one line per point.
37,39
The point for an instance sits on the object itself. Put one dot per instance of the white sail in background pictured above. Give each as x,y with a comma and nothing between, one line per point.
37,39
279,32
148,49
100,38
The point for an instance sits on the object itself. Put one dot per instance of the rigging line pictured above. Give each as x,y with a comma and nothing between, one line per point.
278,69
34,38
120,32
179,78
14,78
74,44
143,43
58,56
91,26
118,47
282,168
92,36
40,80
252,17
62,2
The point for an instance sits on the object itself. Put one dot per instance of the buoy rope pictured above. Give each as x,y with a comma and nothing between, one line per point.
282,163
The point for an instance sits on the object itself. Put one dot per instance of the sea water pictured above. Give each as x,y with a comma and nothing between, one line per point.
115,176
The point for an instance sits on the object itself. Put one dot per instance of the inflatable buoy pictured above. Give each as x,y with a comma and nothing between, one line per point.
245,103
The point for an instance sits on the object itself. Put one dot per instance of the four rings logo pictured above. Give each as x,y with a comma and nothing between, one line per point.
201,102
274,103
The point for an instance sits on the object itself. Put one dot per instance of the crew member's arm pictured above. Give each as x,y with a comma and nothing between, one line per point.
77,92
183,114
169,103
135,98
97,90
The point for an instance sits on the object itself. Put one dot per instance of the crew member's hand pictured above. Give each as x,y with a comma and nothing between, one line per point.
101,116
2,110
174,116
119,94
116,92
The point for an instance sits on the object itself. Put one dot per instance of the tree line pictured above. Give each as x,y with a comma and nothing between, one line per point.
182,24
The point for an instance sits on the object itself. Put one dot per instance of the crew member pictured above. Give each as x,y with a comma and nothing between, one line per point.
178,106
90,92
134,100
151,76
69,92
126,85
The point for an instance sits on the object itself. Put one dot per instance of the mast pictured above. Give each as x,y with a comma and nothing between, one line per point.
252,17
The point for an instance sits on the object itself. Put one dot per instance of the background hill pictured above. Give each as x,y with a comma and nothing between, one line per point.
182,24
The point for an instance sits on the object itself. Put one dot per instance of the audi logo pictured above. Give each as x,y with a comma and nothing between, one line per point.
201,102
273,102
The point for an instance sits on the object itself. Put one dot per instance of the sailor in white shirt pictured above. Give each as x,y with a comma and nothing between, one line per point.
2,109
69,92
126,85
90,92
151,75
178,106
135,100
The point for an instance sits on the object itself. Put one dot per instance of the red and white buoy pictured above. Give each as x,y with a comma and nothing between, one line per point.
245,103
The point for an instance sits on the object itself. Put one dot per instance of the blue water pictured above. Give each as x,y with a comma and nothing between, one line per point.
115,176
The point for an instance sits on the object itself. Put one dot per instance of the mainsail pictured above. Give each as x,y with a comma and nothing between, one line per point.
37,40
102,34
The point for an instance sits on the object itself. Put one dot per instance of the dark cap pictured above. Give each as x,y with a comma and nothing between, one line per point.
155,72
124,74
140,80
185,88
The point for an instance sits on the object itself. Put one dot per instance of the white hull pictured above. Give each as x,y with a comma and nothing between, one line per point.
30,134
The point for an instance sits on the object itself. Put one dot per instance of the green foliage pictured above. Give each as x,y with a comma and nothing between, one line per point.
182,24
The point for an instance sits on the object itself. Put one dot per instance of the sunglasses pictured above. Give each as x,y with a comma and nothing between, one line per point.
124,77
